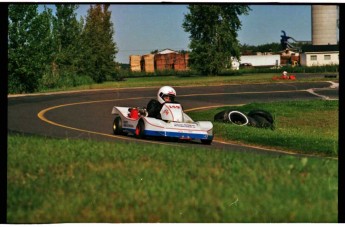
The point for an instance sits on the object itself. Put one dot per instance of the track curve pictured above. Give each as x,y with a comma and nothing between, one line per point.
86,114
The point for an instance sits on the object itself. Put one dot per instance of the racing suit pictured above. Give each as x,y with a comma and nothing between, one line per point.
154,108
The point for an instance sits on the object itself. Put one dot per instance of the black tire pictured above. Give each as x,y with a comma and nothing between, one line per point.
262,113
238,118
140,130
222,116
252,122
206,142
117,126
262,122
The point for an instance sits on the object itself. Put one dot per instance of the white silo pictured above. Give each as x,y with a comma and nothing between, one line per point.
324,24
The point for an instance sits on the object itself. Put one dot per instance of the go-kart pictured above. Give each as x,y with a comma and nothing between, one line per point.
174,124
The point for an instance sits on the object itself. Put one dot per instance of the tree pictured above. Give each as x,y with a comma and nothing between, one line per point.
100,49
28,47
213,34
66,32
268,47
154,51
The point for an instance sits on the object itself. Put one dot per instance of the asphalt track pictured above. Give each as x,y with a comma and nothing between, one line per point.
87,114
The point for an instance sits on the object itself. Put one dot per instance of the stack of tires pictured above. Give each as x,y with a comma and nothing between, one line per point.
255,118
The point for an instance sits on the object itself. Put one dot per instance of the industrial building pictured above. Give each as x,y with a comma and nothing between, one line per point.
257,60
163,60
324,24
324,49
319,55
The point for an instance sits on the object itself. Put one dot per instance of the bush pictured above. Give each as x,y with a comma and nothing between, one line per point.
126,73
117,76
48,80
69,78
63,79
82,80
290,69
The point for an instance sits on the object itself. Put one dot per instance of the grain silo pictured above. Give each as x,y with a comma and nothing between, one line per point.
324,24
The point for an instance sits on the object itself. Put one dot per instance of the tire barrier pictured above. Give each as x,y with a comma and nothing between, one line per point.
252,122
262,113
238,118
223,116
263,118
255,118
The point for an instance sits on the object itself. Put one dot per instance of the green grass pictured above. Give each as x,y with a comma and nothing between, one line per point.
309,127
61,180
155,81
69,181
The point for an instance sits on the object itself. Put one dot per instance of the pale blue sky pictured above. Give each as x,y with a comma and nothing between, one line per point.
142,28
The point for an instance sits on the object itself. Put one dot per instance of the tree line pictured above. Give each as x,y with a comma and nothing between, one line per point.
47,50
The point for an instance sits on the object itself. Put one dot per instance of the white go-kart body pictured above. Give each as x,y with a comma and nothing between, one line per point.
174,124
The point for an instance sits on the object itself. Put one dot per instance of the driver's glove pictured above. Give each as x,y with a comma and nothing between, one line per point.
143,112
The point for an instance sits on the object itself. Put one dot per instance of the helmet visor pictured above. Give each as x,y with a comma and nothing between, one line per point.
168,98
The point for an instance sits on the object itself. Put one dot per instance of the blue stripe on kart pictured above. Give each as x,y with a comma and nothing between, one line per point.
178,135
172,134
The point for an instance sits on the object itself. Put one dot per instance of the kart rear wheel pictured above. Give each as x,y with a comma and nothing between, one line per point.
140,130
206,142
117,126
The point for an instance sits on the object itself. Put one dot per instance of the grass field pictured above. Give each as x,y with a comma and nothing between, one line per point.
191,81
52,180
309,127
61,180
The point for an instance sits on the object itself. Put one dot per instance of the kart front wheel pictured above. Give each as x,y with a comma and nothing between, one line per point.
140,130
117,126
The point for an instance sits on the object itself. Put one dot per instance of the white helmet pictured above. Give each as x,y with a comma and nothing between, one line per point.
166,91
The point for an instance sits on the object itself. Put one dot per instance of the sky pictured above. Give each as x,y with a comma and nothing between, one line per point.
142,28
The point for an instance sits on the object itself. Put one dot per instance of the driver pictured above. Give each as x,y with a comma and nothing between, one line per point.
165,94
